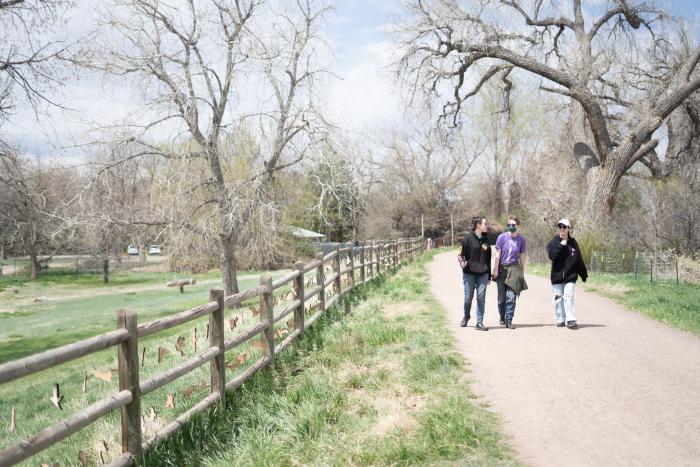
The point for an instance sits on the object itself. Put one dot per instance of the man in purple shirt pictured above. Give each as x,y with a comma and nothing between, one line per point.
510,254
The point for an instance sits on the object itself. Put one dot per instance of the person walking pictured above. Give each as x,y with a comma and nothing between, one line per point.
567,266
475,261
509,270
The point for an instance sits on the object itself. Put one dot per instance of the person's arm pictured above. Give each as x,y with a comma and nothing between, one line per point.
554,248
496,261
523,261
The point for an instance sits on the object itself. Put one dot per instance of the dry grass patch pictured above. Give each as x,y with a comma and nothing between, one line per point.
396,310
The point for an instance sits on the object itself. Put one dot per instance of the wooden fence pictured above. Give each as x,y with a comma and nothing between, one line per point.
372,261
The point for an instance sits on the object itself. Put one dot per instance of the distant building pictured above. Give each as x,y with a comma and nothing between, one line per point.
303,233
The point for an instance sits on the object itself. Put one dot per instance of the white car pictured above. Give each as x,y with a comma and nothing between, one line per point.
132,250
154,250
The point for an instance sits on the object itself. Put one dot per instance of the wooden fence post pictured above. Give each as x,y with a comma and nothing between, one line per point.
266,306
321,280
363,273
371,258
395,253
338,284
299,289
128,356
351,256
217,366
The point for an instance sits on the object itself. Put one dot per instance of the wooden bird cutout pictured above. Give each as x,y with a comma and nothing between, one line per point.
162,352
253,311
232,323
180,345
56,397
170,403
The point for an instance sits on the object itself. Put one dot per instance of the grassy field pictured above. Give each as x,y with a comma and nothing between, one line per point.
381,386
78,306
38,315
665,301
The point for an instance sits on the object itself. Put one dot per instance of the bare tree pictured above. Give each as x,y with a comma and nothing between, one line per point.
189,56
33,214
29,53
448,44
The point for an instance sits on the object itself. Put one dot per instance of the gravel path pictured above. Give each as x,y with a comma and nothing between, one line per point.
621,390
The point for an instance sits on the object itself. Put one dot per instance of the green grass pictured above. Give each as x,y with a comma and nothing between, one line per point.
72,307
65,318
381,386
673,304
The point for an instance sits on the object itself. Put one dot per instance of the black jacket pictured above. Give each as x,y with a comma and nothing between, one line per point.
477,252
567,262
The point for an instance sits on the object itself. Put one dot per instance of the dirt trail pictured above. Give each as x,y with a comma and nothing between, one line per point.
620,390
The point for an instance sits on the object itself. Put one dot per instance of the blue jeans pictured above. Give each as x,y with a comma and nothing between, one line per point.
506,297
564,307
472,281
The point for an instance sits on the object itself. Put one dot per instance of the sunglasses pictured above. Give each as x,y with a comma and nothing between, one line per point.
562,226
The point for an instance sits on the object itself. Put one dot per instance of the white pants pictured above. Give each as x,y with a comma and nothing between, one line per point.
564,307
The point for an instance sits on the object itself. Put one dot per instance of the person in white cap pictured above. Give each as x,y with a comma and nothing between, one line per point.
567,266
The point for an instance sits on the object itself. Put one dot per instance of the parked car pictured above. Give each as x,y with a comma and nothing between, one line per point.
154,250
132,250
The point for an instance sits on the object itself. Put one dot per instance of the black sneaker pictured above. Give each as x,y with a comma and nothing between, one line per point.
481,327
571,324
509,325
561,325
502,322
464,322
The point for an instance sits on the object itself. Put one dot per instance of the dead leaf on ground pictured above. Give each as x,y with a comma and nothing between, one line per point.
104,376
187,392
170,403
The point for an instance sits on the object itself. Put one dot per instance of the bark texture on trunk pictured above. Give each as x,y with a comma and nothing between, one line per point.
228,264
105,271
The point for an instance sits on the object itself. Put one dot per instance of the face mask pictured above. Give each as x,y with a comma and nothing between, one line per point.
512,228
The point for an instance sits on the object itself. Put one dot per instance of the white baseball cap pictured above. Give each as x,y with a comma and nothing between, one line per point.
565,221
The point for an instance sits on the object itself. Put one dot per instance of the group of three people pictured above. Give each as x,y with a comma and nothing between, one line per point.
508,271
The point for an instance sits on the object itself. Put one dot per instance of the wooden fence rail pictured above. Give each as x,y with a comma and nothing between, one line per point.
371,260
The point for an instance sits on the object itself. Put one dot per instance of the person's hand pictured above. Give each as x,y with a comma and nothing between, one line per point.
494,276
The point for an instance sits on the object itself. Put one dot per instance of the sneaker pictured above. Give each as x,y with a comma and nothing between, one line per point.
509,325
561,325
503,322
464,322
571,324
481,327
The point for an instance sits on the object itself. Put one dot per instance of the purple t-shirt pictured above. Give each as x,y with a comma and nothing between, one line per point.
511,248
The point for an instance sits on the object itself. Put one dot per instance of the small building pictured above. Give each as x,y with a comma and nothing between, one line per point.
303,233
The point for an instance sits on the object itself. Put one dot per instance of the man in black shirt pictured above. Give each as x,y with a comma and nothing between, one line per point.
475,260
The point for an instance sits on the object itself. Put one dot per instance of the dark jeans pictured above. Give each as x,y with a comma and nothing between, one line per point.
506,297
478,282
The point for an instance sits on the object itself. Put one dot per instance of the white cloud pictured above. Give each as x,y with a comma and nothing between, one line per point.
367,95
